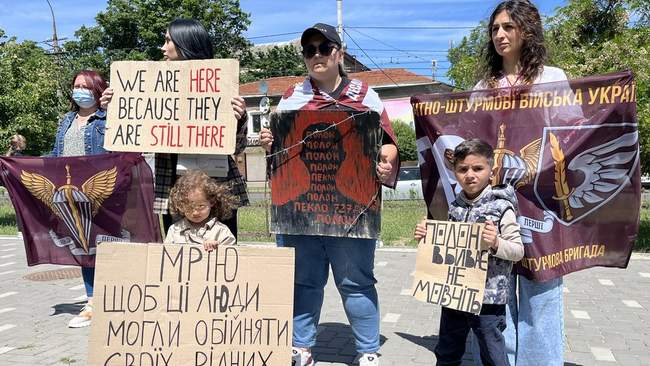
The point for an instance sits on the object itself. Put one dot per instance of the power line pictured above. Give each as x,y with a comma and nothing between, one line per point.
273,35
391,46
364,52
392,50
412,27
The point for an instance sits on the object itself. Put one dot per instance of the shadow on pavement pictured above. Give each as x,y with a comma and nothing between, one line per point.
428,342
73,308
572,364
335,343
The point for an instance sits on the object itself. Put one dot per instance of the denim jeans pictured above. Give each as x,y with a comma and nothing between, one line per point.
539,318
535,323
487,327
352,262
88,275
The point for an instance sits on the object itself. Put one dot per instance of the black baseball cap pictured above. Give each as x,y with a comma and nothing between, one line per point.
326,30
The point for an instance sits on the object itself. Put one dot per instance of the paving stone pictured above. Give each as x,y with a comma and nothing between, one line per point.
43,309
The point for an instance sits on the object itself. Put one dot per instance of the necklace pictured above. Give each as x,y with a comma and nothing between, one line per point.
515,82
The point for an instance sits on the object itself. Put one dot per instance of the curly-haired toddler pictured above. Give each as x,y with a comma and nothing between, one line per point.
203,203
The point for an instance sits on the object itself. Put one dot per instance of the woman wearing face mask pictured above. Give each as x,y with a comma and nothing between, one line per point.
187,39
81,132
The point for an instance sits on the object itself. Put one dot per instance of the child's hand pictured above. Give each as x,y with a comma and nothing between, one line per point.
420,230
210,245
490,235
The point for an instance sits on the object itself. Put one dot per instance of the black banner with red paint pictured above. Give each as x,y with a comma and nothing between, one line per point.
323,176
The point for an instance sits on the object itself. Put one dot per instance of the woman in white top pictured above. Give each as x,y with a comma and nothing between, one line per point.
515,55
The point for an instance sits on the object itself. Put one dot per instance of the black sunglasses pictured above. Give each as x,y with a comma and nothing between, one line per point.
324,49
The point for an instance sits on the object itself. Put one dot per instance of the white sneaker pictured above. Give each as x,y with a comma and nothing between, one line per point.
301,357
84,318
369,359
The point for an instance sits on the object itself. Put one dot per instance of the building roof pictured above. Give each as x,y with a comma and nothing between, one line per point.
374,78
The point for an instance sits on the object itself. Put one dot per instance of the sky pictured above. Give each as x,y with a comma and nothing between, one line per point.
428,26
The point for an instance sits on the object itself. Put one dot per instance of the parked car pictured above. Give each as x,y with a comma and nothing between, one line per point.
409,185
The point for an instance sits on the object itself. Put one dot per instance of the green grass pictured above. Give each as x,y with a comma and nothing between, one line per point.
397,223
7,220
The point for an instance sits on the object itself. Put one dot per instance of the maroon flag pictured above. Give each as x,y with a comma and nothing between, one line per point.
70,204
571,150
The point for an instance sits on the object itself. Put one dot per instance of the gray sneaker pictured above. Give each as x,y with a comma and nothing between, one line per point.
301,357
83,319
369,359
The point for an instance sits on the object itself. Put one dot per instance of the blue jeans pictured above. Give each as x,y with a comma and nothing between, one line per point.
538,316
88,275
535,323
352,262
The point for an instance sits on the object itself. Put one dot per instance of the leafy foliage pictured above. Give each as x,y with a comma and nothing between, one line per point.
135,30
29,103
405,140
585,37
275,61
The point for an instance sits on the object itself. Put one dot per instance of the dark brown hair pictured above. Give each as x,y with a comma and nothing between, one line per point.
533,52
222,200
476,147
97,85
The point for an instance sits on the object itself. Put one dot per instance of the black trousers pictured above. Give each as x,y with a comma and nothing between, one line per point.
487,327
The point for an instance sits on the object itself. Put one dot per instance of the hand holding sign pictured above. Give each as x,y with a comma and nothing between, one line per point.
384,167
490,235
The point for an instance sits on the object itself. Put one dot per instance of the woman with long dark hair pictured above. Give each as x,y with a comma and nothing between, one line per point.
515,55
187,39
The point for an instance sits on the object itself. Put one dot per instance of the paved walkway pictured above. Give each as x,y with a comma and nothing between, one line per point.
607,316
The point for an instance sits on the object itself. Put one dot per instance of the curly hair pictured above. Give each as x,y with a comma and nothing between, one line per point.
533,52
218,194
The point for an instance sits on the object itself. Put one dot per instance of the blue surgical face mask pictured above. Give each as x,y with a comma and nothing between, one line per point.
83,97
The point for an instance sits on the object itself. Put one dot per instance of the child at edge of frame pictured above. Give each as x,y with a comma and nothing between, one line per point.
473,163
202,205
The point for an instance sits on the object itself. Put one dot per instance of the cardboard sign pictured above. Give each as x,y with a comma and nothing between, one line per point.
323,179
173,106
178,305
451,266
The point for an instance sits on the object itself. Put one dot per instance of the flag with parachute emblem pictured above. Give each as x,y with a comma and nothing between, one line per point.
68,205
570,149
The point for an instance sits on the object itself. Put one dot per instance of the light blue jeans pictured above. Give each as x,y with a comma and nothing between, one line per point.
535,323
352,262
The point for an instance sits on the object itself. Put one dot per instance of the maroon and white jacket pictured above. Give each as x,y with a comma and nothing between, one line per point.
355,95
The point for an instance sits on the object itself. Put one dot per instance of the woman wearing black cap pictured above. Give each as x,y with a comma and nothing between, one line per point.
351,259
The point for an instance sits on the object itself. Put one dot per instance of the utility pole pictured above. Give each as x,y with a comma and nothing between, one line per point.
55,39
339,16
434,68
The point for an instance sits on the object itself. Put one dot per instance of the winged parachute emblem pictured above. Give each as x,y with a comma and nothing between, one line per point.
74,207
603,169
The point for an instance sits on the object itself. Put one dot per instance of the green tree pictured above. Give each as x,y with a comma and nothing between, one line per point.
135,30
464,58
405,140
585,37
29,102
275,61
590,37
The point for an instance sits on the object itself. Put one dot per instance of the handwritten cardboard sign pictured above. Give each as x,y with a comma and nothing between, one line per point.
451,266
323,179
178,305
173,106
